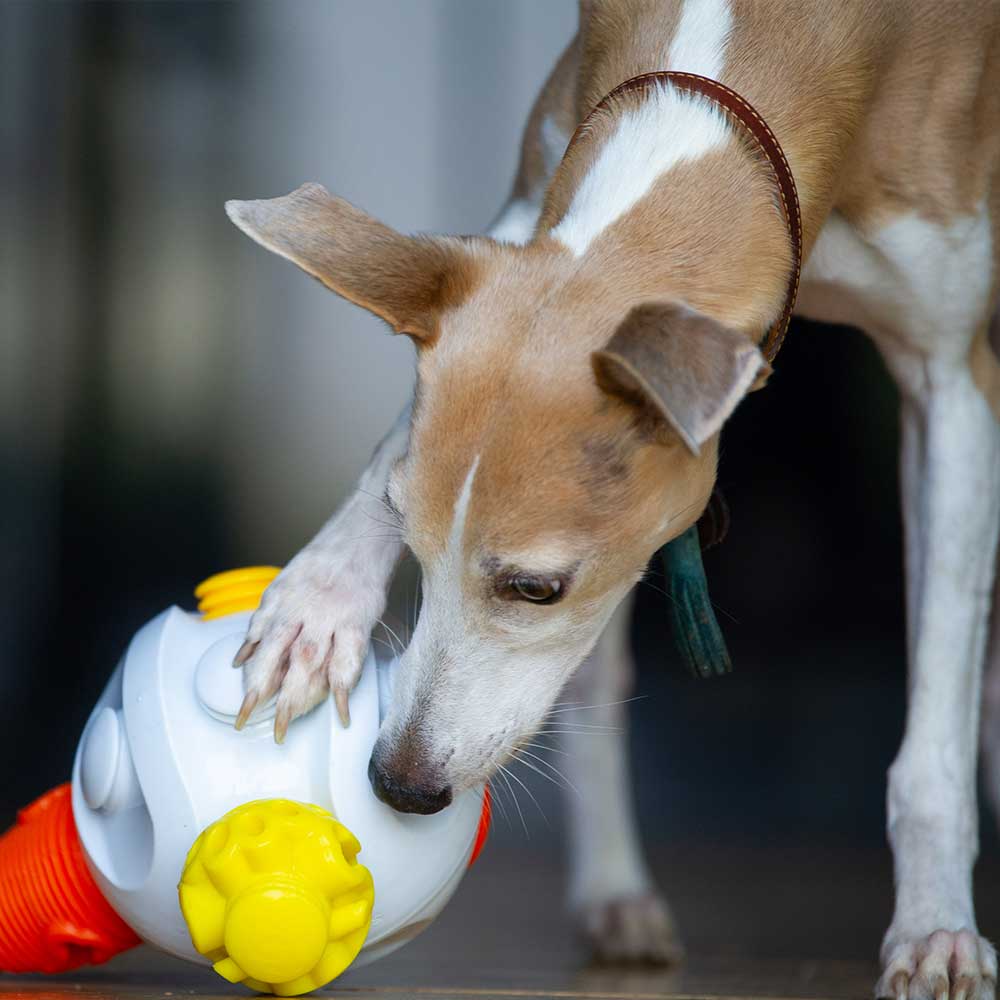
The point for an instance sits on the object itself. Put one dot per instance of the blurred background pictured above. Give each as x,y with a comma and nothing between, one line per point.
175,401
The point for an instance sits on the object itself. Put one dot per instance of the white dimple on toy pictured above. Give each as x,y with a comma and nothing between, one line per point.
160,760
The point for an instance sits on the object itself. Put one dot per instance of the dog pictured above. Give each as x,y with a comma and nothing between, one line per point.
574,368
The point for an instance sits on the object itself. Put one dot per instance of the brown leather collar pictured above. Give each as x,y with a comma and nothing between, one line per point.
757,129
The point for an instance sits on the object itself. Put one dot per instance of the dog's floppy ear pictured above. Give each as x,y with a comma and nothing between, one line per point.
405,280
681,368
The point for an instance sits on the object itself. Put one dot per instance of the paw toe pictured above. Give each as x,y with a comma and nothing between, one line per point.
635,929
944,965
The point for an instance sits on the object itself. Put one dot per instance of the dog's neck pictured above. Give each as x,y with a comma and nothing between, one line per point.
663,191
662,194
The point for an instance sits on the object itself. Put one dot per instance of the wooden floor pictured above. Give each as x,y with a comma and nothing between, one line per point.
702,978
760,922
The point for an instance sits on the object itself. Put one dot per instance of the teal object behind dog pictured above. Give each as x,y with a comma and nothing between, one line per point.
692,617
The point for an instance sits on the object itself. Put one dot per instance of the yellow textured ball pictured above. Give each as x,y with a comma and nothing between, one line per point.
274,896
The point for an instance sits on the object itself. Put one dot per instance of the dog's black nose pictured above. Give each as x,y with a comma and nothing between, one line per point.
407,798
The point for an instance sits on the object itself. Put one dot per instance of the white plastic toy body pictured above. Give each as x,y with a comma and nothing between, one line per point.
159,760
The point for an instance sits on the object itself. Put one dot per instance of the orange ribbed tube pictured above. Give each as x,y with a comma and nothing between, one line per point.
53,917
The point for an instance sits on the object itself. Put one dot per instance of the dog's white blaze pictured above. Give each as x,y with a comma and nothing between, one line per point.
462,509
700,43
668,129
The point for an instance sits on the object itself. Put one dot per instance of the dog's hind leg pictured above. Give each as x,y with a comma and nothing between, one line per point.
617,907
546,135
951,504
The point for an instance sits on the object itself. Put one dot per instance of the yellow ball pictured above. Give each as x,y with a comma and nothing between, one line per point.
274,896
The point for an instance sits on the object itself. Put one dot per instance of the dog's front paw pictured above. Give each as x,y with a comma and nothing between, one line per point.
944,965
309,636
631,929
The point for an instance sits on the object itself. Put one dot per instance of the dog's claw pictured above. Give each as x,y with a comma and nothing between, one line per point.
963,984
341,698
281,722
942,965
246,709
310,634
244,653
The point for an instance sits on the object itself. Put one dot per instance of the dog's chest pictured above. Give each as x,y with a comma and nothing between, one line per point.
912,284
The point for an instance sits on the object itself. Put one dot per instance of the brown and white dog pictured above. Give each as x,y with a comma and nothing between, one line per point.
574,369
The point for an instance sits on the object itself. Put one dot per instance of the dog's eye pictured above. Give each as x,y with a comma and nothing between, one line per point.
537,590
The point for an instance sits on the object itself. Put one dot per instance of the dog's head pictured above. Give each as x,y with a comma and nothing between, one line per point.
564,428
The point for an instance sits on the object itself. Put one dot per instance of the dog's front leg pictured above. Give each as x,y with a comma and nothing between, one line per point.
990,730
612,895
951,500
310,634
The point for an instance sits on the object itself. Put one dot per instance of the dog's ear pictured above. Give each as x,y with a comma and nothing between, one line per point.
407,281
683,370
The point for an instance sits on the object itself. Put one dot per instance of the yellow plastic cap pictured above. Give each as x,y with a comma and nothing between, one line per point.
274,896
234,590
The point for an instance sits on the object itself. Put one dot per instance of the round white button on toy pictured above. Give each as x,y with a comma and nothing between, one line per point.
219,686
99,758
107,775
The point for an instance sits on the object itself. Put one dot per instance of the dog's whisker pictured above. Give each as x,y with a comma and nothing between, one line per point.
567,725
381,500
505,774
406,617
579,732
392,632
385,642
378,520
646,582
562,733
548,777
559,779
394,520
374,496
521,752
543,746
497,790
374,537
606,704
529,793
392,529
578,724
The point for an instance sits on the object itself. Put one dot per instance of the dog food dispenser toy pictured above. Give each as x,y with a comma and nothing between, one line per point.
276,864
